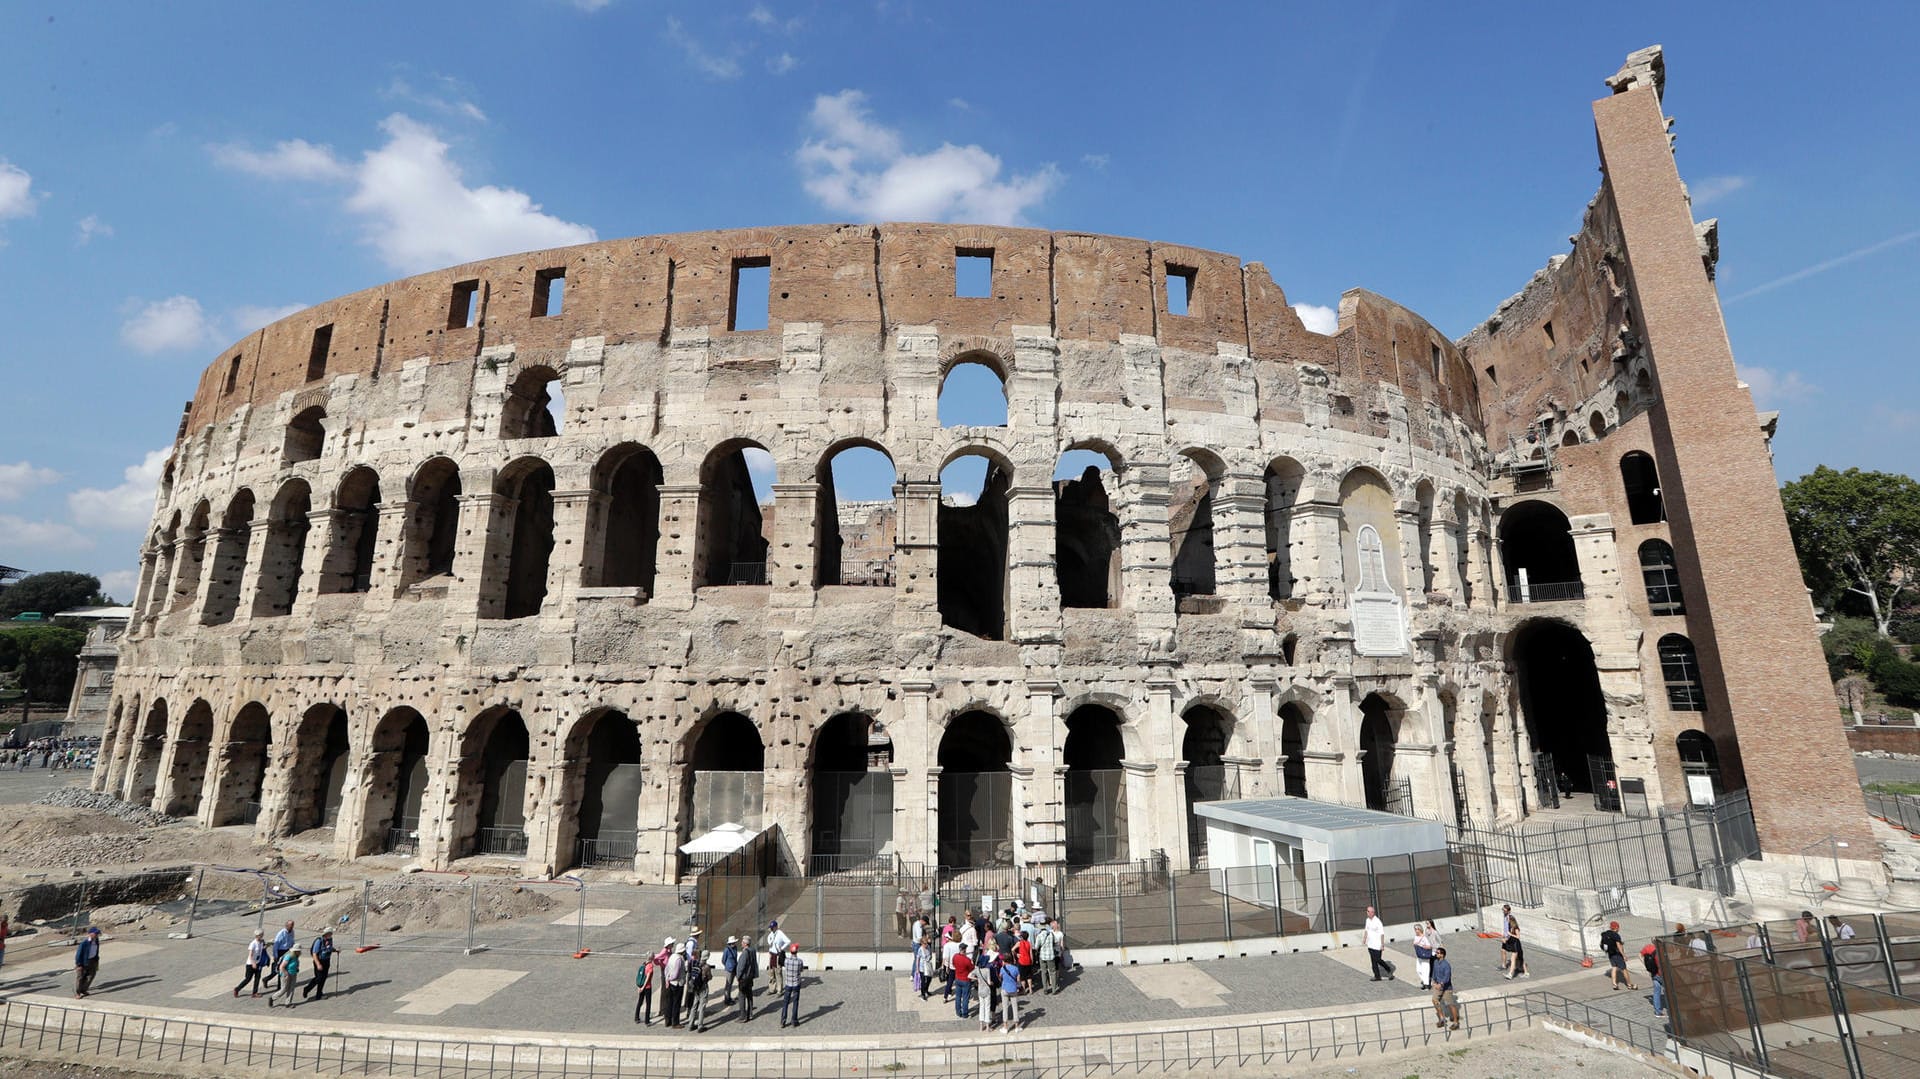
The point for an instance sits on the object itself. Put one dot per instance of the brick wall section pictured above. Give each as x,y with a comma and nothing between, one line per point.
1888,739
1752,625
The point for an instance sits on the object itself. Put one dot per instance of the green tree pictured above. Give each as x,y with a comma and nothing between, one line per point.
49,593
43,657
1858,535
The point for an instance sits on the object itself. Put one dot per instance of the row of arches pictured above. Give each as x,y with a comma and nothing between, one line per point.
513,527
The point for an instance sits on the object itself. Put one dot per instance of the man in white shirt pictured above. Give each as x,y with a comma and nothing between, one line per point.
776,948
1376,934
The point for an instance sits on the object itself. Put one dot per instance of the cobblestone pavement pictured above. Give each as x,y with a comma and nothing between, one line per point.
499,990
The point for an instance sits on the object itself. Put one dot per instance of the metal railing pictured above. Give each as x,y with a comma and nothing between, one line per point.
508,841
747,573
609,848
1899,810
403,840
1544,591
877,573
61,1031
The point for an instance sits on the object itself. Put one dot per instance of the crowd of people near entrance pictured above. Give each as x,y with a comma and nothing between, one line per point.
680,976
52,753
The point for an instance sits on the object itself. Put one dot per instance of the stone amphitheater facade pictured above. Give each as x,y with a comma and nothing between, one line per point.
385,594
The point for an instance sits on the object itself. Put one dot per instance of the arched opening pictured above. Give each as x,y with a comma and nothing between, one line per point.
852,793
1536,543
1284,479
433,534
1368,530
1096,787
243,767
396,779
355,539
725,777
1570,438
1379,732
527,487
736,480
317,778
114,749
1192,482
1661,575
1294,726
229,560
1597,423
306,435
1643,385
854,518
972,395
193,553
1423,497
1204,747
166,556
143,775
493,773
1642,481
971,567
1622,407
535,404
627,514
1289,646
1680,668
976,792
192,742
1566,714
1699,765
284,551
603,758
1086,531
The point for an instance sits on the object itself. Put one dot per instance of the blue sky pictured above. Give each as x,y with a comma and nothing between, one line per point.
173,175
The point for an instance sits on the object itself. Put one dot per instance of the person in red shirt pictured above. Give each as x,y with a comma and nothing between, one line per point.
1023,955
962,982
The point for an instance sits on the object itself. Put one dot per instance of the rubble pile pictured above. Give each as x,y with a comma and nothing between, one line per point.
82,798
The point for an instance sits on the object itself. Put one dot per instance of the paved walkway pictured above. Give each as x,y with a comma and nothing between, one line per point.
499,992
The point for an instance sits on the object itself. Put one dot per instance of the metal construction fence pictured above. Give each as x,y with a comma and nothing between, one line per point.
1791,999
60,1031
1899,810
1695,846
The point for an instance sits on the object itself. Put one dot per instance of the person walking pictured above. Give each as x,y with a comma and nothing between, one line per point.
744,980
86,962
322,951
923,966
643,992
962,983
674,972
790,970
1650,958
289,966
1422,956
1515,957
729,962
1376,940
1445,1004
1612,944
283,943
5,930
257,960
949,951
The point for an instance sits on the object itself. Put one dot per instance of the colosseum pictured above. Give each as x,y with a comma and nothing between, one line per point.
541,559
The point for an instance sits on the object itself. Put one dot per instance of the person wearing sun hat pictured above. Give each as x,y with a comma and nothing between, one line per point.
729,962
676,976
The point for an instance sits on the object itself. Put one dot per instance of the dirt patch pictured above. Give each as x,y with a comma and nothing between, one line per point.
414,905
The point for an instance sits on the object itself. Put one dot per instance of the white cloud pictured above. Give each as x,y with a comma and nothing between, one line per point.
763,17
1824,265
290,159
91,227
421,215
711,64
17,479
1320,320
451,97
782,63
121,584
126,507
247,318
960,103
16,191
591,6
174,324
1713,188
760,469
859,167
1771,388
24,534
1097,162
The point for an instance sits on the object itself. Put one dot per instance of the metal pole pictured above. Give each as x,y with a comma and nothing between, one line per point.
194,903
260,919
473,903
1746,1001
366,909
1843,1027
1173,910
580,928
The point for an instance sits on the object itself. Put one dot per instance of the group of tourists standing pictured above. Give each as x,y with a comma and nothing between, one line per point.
681,975
273,967
994,962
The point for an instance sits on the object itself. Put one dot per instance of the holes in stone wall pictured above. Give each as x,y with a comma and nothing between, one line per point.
535,405
233,375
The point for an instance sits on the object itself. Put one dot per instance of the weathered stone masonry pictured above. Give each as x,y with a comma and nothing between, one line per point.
385,593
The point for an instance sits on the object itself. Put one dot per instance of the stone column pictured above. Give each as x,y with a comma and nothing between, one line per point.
389,552
572,513
1146,561
1045,838
1157,787
470,558
1412,553
317,560
791,557
916,807
679,527
657,844
257,534
1265,777
916,599
1443,550
441,815
1318,570
546,807
1333,757
1240,546
1033,592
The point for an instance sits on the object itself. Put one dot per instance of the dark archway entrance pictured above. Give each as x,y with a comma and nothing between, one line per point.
398,777
973,533
1203,747
494,757
1699,765
243,767
976,792
320,761
605,755
143,775
1536,543
726,777
192,744
1559,691
1293,745
1096,787
852,793
1376,749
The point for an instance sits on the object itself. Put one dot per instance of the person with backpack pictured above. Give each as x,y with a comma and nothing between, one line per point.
1650,958
643,992
1612,944
729,962
699,986
257,960
744,979
322,950
949,952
